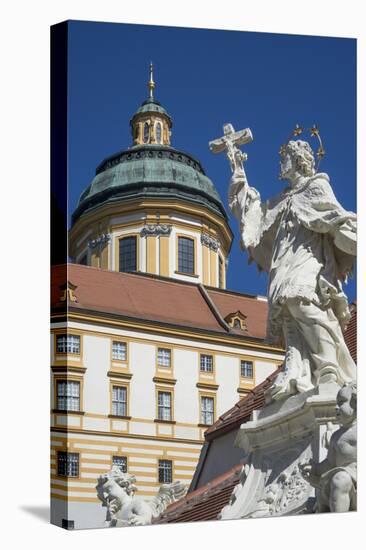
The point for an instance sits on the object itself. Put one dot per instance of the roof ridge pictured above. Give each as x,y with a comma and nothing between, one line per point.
213,484
213,308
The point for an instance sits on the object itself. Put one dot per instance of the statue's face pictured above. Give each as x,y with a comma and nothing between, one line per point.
344,412
286,166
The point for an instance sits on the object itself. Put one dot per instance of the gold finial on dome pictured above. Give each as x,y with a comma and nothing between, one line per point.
151,123
151,84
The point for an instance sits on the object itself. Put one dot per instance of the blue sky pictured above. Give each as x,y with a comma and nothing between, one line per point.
205,78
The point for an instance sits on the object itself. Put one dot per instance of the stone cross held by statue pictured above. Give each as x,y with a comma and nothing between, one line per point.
230,143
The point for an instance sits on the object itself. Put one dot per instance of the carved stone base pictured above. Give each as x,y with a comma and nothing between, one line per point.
280,436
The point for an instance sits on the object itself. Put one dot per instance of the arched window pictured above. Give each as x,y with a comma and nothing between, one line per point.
158,132
136,136
186,255
128,254
146,132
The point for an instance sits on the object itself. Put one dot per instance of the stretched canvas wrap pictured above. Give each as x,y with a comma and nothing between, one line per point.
203,240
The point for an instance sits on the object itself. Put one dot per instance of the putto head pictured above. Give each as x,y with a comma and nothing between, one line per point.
346,408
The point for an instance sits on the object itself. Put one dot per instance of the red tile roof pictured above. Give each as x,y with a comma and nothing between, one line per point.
350,334
242,410
254,310
205,503
157,299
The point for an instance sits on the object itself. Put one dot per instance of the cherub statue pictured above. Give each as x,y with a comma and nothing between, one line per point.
117,489
335,477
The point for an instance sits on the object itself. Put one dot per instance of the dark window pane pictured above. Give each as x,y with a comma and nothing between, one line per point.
146,132
67,343
121,462
165,471
206,363
246,369
68,464
127,254
68,395
185,255
207,410
164,405
119,401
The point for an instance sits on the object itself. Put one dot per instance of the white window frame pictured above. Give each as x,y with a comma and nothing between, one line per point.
69,460
204,363
207,413
165,468
245,367
119,354
119,403
69,343
69,398
165,411
163,353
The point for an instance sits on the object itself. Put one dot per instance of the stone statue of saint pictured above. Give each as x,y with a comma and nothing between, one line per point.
335,477
306,242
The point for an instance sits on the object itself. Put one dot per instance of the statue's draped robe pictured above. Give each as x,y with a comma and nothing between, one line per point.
306,242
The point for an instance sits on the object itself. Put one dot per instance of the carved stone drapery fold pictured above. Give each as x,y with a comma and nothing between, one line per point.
156,230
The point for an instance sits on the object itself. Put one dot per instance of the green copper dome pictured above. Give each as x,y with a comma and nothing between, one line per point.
151,168
152,171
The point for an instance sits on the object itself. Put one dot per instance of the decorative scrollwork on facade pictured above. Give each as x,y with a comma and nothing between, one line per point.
100,241
156,230
210,242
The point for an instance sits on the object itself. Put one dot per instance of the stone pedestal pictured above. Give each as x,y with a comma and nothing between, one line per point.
279,437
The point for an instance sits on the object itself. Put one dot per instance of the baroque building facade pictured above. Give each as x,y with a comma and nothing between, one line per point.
148,347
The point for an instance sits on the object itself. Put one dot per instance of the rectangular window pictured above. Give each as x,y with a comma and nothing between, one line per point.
164,357
206,363
186,255
121,462
246,369
207,410
119,351
164,405
128,254
165,471
68,395
119,401
67,464
68,343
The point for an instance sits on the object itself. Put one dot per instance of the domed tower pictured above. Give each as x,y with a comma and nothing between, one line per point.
152,209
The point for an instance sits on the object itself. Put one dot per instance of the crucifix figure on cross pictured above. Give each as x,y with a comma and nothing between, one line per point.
230,143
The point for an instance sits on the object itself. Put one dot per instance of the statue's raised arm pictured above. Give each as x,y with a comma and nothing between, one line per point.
244,201
306,242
